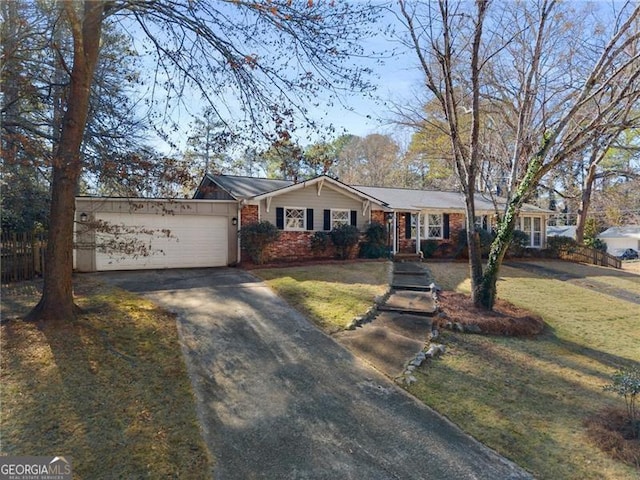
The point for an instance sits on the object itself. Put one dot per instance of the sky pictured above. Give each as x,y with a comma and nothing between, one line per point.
396,78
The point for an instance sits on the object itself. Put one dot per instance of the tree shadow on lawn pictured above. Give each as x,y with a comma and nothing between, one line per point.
607,359
109,396
565,270
125,380
525,401
339,272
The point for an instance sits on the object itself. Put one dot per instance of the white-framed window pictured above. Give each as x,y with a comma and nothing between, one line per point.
482,222
414,225
532,226
294,218
433,225
537,232
340,217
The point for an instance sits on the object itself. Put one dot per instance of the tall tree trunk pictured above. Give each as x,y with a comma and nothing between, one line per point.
475,251
585,202
56,303
488,290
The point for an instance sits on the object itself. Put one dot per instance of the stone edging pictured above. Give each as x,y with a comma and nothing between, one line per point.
431,350
372,312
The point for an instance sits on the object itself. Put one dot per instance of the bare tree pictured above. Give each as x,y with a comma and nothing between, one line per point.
525,69
254,57
371,160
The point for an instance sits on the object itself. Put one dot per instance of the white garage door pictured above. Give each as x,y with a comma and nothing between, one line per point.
170,241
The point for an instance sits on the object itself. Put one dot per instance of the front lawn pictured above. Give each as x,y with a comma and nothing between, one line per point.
109,390
331,295
529,399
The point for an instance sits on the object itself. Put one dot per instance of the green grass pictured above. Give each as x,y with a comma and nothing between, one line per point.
330,295
529,398
109,390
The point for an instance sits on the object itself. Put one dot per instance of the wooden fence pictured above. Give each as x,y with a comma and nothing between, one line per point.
22,256
580,253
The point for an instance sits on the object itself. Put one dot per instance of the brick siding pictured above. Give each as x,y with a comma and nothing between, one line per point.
249,214
296,246
378,216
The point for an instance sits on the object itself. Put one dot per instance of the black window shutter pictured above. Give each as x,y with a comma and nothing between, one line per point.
445,225
407,225
280,218
309,218
327,220
354,218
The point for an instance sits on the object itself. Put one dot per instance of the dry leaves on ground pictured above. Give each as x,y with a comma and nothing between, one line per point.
505,319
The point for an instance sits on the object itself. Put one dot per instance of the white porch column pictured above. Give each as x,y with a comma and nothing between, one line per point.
395,233
418,231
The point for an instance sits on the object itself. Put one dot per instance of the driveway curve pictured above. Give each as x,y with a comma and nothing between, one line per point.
279,399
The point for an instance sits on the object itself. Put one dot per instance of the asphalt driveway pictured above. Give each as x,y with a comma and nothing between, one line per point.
279,399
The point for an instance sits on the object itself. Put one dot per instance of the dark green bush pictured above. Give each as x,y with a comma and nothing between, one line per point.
320,242
519,243
428,247
344,237
595,243
555,245
486,238
375,244
255,238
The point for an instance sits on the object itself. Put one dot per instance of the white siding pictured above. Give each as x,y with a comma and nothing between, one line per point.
615,246
309,198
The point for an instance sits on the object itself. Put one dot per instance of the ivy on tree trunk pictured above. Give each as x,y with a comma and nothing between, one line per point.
487,288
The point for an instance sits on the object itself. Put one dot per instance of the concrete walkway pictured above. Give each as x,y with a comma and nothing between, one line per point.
403,326
279,399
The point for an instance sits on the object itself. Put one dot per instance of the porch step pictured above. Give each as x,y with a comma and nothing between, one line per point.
410,287
407,257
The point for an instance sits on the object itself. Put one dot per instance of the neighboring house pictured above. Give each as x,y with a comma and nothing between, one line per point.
562,231
203,231
618,239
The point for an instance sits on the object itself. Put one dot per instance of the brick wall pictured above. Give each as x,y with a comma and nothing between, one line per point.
456,223
296,246
249,214
378,216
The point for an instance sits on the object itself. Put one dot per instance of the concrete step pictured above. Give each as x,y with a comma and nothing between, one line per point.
407,257
402,268
410,287
414,302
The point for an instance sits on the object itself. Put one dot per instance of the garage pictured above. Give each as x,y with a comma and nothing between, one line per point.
172,241
151,234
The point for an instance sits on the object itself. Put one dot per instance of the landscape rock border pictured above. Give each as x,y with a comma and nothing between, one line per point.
372,312
430,351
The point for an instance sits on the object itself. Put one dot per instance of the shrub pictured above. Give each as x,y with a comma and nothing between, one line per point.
591,230
428,248
486,238
519,243
626,383
375,244
255,238
320,242
344,237
560,244
595,243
